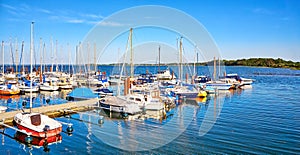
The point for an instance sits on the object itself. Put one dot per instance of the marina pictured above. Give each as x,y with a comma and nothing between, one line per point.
89,122
149,79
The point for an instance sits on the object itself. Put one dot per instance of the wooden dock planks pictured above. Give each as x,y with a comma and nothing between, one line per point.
53,110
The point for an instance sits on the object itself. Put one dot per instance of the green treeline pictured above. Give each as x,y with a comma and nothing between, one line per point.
263,62
256,62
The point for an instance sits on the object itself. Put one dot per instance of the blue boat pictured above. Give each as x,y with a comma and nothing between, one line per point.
82,93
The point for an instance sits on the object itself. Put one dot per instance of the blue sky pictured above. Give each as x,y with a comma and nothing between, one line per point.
240,28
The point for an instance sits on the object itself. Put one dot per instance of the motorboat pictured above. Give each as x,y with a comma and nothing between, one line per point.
38,142
37,124
64,83
33,123
48,86
214,86
103,92
9,89
165,75
119,105
79,94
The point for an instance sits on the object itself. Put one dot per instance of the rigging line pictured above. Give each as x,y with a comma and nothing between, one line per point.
186,60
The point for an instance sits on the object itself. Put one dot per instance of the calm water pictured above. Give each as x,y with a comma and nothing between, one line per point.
261,120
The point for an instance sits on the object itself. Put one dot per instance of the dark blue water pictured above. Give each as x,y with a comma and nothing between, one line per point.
261,120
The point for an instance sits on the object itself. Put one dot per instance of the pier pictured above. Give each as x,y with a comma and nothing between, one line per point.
54,110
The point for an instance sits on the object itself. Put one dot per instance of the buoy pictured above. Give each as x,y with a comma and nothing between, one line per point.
70,128
24,103
48,100
125,115
101,120
28,139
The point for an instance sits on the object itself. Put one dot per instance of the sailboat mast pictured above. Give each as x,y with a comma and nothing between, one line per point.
56,66
22,56
31,54
43,57
95,58
131,55
219,67
76,57
69,58
180,59
51,50
118,60
88,57
159,58
195,60
40,49
215,68
17,55
3,58
12,55
61,60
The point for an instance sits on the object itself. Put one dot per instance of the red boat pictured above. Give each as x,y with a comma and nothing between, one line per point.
37,124
38,141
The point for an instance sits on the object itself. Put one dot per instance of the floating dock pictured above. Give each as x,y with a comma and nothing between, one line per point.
54,110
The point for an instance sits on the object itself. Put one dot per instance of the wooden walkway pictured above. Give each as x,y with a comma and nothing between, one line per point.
54,110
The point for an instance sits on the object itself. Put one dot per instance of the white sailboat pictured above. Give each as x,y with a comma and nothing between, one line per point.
37,124
216,85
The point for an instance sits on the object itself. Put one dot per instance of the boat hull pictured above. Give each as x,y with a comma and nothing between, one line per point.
4,92
51,88
49,133
115,104
37,125
188,95
218,86
38,141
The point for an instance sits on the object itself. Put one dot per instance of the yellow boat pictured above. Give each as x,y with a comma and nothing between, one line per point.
202,93
9,90
201,100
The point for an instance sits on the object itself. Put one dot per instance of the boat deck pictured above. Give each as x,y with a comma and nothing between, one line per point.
117,104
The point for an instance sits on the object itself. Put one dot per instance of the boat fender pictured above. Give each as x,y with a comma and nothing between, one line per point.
24,103
47,100
28,139
125,115
46,128
101,120
70,128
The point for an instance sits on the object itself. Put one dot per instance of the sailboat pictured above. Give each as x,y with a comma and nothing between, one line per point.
215,85
37,124
184,90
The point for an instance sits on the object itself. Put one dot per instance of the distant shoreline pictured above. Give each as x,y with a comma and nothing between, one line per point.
251,62
263,62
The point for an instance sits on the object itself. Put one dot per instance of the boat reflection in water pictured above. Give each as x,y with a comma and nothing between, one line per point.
147,114
38,142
